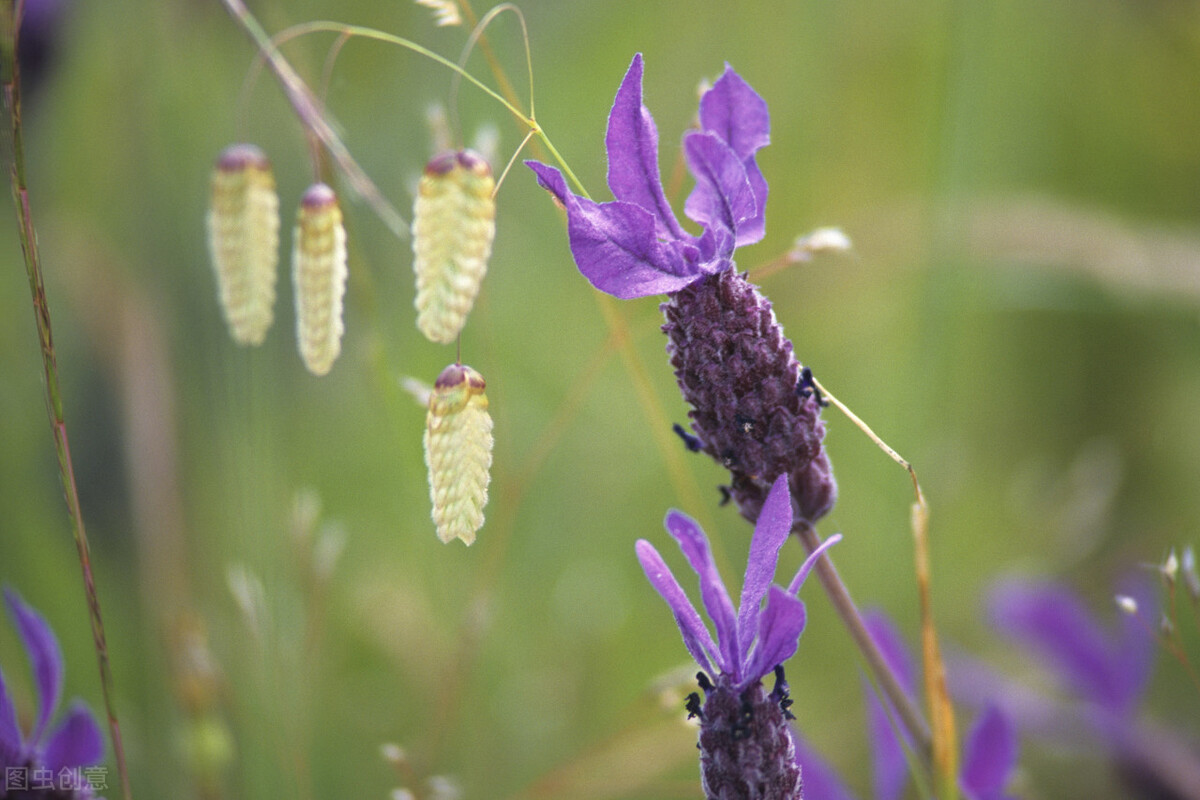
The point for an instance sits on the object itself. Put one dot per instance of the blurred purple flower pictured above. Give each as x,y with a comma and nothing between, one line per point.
1103,671
989,755
1109,669
75,743
41,40
754,409
744,740
634,246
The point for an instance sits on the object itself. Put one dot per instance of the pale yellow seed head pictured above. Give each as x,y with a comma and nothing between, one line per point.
458,452
319,278
454,223
243,238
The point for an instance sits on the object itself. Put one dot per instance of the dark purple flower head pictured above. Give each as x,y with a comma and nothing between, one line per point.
745,748
73,744
989,754
634,246
751,640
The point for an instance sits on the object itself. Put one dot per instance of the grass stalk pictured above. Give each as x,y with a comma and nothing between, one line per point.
10,20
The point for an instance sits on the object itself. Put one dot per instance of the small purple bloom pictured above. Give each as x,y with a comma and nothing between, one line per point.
745,746
634,246
989,755
752,640
75,743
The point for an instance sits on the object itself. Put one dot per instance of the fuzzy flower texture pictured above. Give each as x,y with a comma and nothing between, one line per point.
753,408
746,751
47,764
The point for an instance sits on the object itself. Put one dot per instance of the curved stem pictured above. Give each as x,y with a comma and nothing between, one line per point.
309,111
268,48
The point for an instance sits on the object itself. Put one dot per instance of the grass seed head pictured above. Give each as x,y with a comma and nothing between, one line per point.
454,222
319,278
458,452
243,237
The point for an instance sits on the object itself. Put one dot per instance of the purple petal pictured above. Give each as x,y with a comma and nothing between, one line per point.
44,655
632,145
891,644
889,767
738,115
696,637
1135,646
755,228
614,244
722,196
820,780
889,762
76,742
989,756
779,629
11,742
1052,622
770,532
810,562
694,545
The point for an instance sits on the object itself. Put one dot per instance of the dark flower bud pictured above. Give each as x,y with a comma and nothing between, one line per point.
750,411
746,752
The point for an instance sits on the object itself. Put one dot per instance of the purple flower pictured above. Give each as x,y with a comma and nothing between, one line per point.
989,756
1107,668
1103,670
745,748
73,744
634,246
753,407
750,641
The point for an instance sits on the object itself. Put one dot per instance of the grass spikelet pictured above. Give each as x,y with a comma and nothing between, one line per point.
319,278
454,223
458,452
445,12
243,238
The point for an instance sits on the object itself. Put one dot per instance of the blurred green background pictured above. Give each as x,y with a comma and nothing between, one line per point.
1019,318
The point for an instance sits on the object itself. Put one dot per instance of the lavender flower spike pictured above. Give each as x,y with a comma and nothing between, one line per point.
46,764
745,747
754,410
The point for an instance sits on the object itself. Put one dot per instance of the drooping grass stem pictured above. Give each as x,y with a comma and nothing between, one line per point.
10,80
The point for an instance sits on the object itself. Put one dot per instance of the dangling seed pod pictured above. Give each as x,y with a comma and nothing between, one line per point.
243,237
454,223
458,452
319,278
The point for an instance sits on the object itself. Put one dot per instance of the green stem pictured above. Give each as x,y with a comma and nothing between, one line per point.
10,17
308,109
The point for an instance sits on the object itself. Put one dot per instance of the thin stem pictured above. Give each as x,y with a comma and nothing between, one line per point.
308,109
477,36
269,50
944,735
839,595
10,17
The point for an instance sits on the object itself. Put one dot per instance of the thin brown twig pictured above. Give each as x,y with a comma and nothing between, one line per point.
10,19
